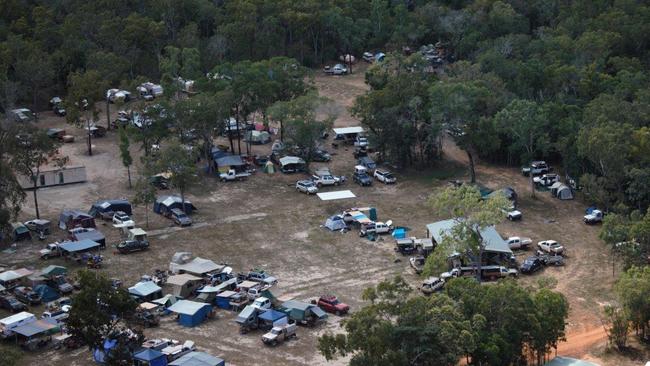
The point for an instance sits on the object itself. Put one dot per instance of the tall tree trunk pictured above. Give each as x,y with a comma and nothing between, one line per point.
532,183
281,131
472,172
128,171
90,146
38,214
108,114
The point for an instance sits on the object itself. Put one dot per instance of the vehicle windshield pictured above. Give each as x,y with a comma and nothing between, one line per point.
275,331
335,302
388,175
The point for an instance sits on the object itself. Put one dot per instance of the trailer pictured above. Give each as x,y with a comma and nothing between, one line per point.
55,177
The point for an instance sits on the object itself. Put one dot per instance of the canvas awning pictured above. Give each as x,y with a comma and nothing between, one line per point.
53,270
34,328
145,288
137,232
272,315
348,130
230,160
492,240
181,279
187,307
288,160
78,246
200,266
336,195
198,359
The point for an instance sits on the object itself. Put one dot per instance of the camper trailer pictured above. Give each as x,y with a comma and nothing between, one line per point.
55,177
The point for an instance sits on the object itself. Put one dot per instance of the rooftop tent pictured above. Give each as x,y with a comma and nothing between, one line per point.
103,206
268,168
73,218
164,205
146,290
493,241
47,293
244,315
20,232
190,313
79,246
198,359
335,222
149,357
564,193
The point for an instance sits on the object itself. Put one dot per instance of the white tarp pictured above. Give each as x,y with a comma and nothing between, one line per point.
336,195
348,130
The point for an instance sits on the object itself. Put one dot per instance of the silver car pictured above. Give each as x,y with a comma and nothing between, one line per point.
306,186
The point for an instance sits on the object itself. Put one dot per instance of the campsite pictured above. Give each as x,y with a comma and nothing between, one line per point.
403,183
273,228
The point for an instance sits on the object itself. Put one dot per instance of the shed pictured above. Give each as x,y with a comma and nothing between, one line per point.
198,359
74,218
223,299
164,205
149,357
79,246
182,285
564,192
190,313
20,232
146,291
110,206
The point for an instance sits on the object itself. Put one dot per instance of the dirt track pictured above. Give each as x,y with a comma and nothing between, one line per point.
264,223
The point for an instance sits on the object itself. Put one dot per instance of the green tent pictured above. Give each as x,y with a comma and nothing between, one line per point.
268,168
51,271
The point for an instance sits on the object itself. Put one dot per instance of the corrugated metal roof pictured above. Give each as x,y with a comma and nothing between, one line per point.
187,307
197,359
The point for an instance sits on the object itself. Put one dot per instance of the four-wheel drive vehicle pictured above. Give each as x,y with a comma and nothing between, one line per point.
261,276
231,175
550,246
368,57
39,226
417,263
367,163
516,242
306,186
325,180
321,156
279,334
376,228
384,176
331,304
180,218
27,295
487,272
595,217
361,141
122,219
535,168
129,246
261,303
546,179
531,264
337,69
362,179
405,246
12,304
51,250
551,259
61,284
58,315
431,285
513,214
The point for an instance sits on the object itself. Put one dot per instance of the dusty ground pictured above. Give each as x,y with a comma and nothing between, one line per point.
264,223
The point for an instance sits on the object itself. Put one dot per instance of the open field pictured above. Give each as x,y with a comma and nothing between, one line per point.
265,223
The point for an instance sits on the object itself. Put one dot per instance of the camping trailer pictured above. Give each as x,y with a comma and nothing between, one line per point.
55,177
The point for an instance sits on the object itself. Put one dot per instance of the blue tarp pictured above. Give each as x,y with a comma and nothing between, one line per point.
79,246
399,233
100,354
150,357
272,315
47,293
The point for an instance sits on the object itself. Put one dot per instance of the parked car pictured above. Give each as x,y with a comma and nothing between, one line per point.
321,156
516,242
279,334
261,302
325,180
27,295
121,218
180,218
12,304
384,176
376,228
51,250
231,176
361,177
261,276
368,57
57,315
417,263
531,265
513,214
551,259
536,168
546,179
130,246
61,284
331,304
338,69
368,163
431,285
595,217
550,246
306,186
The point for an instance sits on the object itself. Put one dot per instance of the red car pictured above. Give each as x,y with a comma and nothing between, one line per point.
331,304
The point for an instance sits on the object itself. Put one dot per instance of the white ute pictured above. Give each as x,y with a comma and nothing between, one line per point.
279,333
516,242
